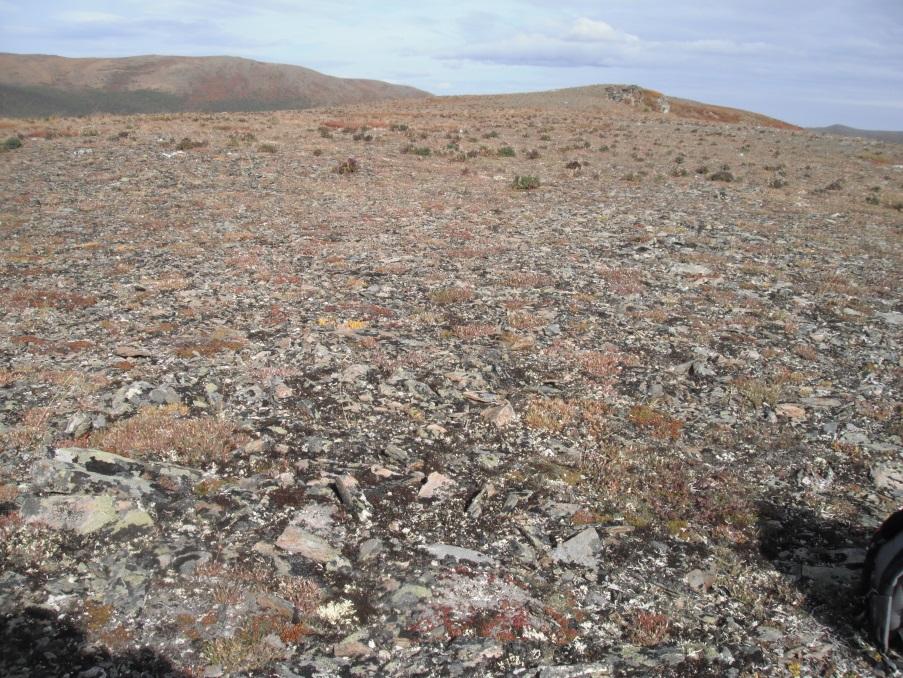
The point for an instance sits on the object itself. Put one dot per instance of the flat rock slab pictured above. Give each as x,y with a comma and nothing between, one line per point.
580,549
892,317
594,670
125,351
85,513
691,269
295,540
410,594
76,470
353,373
441,551
889,477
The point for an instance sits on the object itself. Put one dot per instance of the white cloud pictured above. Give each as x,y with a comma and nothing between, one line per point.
590,30
591,42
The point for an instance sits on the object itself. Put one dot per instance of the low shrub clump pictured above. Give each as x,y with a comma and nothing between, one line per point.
723,174
187,144
349,166
525,183
421,151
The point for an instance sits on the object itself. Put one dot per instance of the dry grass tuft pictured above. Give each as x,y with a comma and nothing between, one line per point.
451,295
218,341
303,593
8,493
528,279
42,298
7,377
475,331
248,649
167,432
648,628
600,363
661,425
758,391
33,425
550,414
523,320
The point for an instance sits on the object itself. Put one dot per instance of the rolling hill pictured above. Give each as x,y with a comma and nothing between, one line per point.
37,85
626,99
844,131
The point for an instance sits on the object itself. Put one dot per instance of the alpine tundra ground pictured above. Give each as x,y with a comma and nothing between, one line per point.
532,386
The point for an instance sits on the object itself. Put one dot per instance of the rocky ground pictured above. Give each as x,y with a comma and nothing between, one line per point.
504,386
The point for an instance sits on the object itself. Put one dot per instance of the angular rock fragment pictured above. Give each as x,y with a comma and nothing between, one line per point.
353,645
790,411
475,508
435,484
698,580
500,415
282,392
297,541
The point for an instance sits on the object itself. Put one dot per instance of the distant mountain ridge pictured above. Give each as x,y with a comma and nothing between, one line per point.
843,130
38,85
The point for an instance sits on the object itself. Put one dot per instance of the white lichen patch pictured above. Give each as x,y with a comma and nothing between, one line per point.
336,612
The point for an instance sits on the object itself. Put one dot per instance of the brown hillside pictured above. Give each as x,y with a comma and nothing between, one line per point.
189,83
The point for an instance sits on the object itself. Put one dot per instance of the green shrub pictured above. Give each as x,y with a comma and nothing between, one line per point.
12,143
186,144
525,183
349,166
422,151
721,175
506,152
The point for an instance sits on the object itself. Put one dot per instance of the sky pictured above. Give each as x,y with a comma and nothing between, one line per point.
808,62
